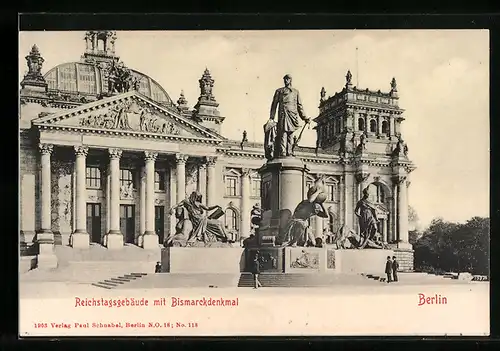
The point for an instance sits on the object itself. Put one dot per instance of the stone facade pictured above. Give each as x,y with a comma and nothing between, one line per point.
103,164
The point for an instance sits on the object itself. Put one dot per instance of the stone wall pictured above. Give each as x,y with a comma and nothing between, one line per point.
405,259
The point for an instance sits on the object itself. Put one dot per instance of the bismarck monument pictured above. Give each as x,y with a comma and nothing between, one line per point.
284,241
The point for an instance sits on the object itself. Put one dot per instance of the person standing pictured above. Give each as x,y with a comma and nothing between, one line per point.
395,267
388,269
256,271
287,102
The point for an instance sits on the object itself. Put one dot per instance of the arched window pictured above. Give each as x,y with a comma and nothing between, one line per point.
231,219
373,126
361,124
385,127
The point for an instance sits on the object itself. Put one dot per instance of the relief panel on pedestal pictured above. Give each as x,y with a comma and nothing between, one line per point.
304,259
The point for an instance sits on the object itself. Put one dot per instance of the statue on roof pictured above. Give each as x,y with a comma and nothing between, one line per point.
34,62
120,78
206,85
401,148
394,86
323,94
348,78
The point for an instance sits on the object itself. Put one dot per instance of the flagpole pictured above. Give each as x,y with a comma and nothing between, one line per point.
357,68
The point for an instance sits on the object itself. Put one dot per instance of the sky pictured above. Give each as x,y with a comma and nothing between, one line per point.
442,77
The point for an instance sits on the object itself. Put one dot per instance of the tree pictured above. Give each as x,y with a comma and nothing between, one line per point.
448,246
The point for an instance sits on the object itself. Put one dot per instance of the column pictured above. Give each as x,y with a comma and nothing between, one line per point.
80,238
181,176
45,238
173,195
211,181
343,204
202,181
46,188
379,125
391,125
402,211
384,230
394,213
114,236
142,205
150,240
245,204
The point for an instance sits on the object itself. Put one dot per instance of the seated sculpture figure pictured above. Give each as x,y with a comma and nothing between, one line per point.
205,229
347,238
182,229
295,230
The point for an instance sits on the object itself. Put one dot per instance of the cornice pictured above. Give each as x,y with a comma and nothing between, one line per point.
126,133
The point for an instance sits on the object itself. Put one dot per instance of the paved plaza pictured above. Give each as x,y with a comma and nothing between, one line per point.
67,283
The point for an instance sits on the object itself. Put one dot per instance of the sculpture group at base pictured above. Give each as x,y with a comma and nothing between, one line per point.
195,227
294,230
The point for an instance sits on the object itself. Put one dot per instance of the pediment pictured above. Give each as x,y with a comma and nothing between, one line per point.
129,112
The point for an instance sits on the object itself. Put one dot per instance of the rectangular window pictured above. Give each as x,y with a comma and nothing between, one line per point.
256,187
93,178
126,178
67,78
159,181
87,79
331,189
231,186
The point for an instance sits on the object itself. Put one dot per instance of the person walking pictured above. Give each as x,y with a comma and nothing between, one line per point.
388,269
395,267
256,271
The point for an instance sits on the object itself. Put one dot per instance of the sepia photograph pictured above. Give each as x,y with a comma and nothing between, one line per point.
254,183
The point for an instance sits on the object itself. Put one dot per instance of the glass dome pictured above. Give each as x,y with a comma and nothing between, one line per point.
87,79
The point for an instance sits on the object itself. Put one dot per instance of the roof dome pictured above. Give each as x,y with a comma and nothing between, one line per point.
88,79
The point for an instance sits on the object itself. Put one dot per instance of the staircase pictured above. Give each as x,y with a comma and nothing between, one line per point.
112,283
296,280
182,280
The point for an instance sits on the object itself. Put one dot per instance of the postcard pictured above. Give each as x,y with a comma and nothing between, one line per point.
254,183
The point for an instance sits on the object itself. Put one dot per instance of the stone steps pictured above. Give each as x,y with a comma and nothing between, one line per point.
119,281
88,272
303,280
184,280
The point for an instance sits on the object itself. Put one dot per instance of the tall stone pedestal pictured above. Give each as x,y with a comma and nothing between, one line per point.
283,188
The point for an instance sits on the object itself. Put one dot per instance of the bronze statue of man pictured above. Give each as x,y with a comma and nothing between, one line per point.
289,105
